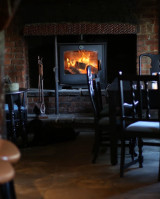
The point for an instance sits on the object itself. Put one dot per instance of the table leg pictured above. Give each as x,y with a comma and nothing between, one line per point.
113,148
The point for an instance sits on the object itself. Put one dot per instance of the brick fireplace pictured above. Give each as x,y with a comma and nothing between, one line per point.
116,36
17,62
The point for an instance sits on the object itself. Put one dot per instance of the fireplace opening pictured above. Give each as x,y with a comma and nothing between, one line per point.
120,54
43,47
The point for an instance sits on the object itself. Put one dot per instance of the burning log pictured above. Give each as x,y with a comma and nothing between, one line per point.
67,71
72,70
80,65
94,69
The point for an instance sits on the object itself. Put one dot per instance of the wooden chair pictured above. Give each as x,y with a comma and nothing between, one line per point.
9,154
143,121
100,114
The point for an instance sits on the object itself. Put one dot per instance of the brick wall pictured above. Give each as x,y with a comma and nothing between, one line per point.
69,101
15,62
147,42
16,58
147,33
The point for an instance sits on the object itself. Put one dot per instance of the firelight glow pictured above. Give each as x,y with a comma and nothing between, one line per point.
76,62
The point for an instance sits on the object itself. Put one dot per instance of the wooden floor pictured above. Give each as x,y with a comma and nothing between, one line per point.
63,169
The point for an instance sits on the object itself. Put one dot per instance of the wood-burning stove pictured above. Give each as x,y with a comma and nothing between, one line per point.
74,59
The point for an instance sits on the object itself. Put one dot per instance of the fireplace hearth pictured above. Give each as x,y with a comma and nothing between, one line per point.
74,59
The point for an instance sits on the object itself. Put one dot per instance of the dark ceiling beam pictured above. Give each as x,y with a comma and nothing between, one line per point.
7,11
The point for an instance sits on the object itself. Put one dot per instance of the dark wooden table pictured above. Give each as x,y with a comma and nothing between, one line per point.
113,105
17,98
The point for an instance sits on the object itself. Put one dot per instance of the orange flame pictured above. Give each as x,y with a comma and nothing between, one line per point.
76,62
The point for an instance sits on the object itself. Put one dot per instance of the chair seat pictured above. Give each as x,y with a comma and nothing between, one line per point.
9,151
16,113
103,122
144,126
15,107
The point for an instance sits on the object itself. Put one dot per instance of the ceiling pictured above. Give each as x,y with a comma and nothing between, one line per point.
46,11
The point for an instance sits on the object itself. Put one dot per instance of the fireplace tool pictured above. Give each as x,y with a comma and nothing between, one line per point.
40,106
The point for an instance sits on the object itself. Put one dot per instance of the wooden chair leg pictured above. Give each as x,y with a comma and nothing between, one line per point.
159,168
96,146
7,174
122,161
140,158
7,190
12,189
132,144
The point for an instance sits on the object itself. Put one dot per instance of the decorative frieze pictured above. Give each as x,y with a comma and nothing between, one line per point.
78,28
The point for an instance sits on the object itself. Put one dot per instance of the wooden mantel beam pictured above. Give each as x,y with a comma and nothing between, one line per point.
40,29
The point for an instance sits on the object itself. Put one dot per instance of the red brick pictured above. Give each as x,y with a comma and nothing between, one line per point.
19,67
142,37
142,49
8,50
7,61
140,42
143,29
149,42
17,49
156,28
149,28
35,99
19,56
154,48
8,56
19,43
9,44
18,61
